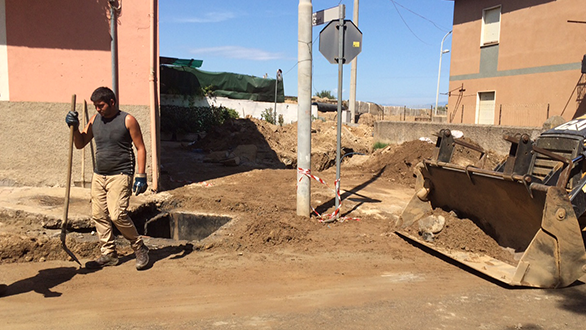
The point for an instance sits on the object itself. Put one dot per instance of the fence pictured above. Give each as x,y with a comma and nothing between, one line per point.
400,113
505,114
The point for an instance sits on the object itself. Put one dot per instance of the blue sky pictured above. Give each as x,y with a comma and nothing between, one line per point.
398,64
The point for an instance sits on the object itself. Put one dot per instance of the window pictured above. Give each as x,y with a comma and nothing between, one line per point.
485,109
491,20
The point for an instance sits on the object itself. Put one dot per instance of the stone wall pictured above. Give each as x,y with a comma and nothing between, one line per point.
34,146
487,136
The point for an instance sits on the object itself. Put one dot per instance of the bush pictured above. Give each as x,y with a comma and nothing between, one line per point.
268,116
379,145
325,94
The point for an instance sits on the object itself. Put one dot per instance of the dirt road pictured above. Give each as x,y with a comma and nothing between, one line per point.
349,275
407,289
267,268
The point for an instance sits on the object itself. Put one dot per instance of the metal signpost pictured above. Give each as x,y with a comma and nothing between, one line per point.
339,42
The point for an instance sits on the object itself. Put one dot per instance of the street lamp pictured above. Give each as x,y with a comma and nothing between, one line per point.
442,52
279,78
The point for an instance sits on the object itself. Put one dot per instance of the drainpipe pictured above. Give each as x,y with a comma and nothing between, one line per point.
114,46
154,93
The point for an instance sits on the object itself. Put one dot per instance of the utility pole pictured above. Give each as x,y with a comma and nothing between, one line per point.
304,60
353,73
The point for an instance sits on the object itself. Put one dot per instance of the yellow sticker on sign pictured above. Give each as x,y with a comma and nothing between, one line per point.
356,44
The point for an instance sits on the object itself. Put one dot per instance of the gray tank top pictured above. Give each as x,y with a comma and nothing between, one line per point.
114,154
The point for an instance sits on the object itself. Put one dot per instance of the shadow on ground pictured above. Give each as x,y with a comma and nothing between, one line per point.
47,279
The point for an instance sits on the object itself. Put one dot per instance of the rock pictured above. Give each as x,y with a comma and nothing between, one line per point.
428,237
246,152
431,225
234,161
552,122
215,157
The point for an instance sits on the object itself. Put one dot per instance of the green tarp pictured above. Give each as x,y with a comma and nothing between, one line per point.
182,80
181,62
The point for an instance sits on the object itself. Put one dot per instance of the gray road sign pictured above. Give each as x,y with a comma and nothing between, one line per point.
329,42
326,15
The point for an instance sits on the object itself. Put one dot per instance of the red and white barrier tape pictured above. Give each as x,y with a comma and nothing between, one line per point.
334,215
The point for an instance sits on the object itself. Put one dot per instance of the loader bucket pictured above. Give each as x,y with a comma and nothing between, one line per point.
536,221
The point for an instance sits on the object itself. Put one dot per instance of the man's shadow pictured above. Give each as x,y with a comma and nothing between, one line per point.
47,279
43,282
174,252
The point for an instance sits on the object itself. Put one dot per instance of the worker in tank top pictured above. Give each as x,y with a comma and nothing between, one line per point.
115,132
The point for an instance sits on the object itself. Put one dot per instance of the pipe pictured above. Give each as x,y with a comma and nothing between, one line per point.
340,59
114,46
154,93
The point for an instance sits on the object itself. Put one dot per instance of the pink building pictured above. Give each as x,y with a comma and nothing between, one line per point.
517,62
50,50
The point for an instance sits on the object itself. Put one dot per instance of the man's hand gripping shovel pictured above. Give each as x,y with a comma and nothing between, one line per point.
67,189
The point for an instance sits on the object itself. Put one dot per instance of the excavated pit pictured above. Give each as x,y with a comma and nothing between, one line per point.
180,225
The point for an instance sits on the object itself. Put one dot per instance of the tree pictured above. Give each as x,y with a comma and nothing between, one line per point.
325,94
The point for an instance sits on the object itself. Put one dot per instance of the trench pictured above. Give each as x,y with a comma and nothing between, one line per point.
177,225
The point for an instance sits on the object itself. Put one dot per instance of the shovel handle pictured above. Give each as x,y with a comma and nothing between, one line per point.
68,181
68,187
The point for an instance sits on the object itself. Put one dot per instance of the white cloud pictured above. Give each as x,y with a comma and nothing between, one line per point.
212,17
238,53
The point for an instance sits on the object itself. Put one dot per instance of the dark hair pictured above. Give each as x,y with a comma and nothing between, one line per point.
103,94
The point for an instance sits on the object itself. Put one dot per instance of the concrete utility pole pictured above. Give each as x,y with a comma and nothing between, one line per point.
353,73
304,60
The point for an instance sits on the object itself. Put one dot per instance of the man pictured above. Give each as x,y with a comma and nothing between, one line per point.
115,132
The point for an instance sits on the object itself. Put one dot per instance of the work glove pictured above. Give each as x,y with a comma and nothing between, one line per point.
140,184
72,120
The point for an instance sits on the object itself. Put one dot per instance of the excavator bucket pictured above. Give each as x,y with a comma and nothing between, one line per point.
531,205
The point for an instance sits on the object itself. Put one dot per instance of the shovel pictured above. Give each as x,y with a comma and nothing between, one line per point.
67,190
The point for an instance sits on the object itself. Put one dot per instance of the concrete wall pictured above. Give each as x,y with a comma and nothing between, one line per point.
487,136
533,69
243,107
34,143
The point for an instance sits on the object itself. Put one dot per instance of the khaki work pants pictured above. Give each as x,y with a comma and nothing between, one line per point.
110,198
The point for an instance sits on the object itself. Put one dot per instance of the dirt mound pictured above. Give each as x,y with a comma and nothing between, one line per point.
396,162
38,248
463,235
277,145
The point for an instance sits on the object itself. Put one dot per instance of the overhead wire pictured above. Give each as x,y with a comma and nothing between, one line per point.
407,25
425,18
395,4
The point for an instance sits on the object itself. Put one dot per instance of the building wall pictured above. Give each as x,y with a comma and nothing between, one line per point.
533,69
55,49
62,47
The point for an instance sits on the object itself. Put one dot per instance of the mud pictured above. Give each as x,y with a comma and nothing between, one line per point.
260,194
